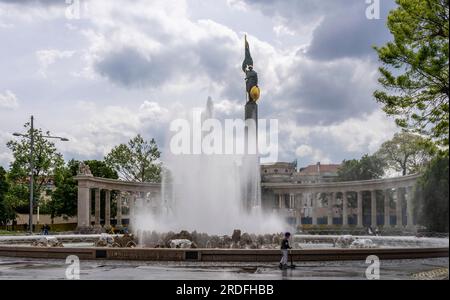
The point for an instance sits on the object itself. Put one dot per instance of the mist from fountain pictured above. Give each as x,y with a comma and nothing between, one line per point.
208,193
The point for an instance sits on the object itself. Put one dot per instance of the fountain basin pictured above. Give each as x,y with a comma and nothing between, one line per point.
220,255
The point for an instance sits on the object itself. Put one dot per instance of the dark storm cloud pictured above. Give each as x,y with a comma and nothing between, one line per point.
214,58
131,68
320,93
329,94
348,33
344,31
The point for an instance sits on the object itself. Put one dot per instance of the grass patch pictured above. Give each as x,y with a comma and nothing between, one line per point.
4,232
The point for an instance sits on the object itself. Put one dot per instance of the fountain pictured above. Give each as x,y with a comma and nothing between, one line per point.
208,193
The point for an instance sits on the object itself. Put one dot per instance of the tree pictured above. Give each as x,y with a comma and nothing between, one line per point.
367,168
432,204
137,161
407,153
101,169
417,84
64,197
46,161
6,213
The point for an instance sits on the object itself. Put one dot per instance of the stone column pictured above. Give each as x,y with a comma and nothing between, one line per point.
344,209
132,213
330,208
373,210
399,211
314,208
410,207
107,208
291,201
360,209
119,209
298,209
83,205
97,207
387,209
280,201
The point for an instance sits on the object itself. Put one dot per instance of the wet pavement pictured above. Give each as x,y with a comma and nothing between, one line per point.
39,269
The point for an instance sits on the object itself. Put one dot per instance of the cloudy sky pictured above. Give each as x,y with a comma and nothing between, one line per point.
107,70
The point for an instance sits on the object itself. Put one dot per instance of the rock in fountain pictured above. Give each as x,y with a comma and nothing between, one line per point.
50,242
363,244
183,244
125,241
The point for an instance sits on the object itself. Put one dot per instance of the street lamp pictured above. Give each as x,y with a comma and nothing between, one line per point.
31,137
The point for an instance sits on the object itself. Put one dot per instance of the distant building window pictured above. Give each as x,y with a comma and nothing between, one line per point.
276,171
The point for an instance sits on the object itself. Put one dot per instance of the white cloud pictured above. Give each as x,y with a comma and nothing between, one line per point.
364,134
238,4
48,57
283,30
304,151
99,129
5,154
30,12
228,107
8,100
6,25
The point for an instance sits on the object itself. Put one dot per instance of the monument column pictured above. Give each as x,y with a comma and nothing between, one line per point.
119,209
360,209
410,206
83,205
330,208
399,209
107,208
387,208
344,209
97,207
373,210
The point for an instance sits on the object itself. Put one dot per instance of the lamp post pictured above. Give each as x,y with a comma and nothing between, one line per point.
31,137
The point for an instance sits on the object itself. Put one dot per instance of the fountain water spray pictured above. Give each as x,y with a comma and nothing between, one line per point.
207,193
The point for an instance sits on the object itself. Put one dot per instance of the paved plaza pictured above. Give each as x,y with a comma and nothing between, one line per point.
19,268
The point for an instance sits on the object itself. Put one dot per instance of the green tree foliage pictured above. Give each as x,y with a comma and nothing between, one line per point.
406,153
6,213
432,203
415,72
137,161
64,197
366,168
101,169
46,161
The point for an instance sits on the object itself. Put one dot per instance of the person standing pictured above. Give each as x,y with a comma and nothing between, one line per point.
46,229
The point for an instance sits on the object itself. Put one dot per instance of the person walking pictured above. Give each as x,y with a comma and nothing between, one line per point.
285,246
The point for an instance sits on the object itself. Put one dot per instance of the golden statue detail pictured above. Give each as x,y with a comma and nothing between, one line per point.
251,78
